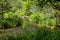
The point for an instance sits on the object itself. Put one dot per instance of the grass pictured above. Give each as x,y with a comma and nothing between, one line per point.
29,34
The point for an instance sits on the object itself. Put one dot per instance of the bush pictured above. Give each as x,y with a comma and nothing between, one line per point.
10,22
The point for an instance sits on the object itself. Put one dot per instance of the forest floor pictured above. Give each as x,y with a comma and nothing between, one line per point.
17,30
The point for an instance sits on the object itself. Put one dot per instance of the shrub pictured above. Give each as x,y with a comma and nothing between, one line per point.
10,22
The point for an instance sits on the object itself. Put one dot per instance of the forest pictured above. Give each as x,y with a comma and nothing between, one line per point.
29,19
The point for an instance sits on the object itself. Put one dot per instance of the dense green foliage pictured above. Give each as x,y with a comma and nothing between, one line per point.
25,14
34,11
